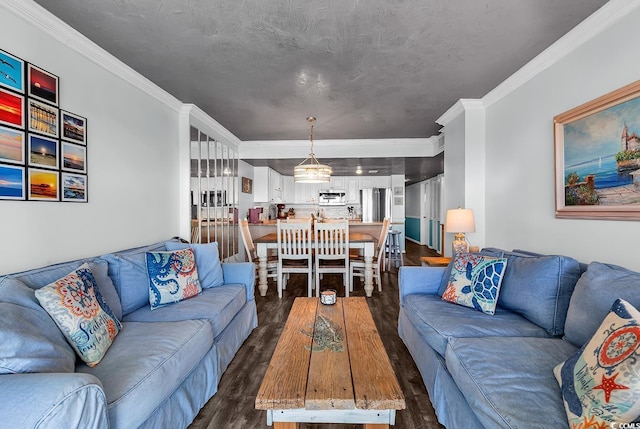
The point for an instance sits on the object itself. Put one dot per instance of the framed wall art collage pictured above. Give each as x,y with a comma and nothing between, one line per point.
43,148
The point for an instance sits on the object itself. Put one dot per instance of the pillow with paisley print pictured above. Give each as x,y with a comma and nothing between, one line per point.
173,276
76,305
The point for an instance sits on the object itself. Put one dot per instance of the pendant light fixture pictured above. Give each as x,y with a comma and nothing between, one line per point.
313,171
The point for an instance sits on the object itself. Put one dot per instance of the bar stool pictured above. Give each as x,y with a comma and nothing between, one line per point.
394,251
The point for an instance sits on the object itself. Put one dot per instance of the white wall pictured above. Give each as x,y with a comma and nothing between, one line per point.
131,161
519,183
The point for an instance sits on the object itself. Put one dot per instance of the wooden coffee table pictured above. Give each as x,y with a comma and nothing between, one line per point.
330,366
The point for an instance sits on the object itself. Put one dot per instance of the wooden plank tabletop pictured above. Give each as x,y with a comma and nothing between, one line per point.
285,382
375,384
346,367
329,385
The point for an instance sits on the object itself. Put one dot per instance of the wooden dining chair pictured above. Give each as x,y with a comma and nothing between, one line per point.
357,264
331,245
250,248
294,253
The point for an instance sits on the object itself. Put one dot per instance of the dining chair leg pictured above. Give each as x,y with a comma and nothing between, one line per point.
279,281
310,285
347,284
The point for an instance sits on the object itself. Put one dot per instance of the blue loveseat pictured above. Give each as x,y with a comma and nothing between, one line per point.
496,371
161,368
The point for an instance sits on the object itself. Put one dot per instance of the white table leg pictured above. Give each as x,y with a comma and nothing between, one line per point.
261,251
368,269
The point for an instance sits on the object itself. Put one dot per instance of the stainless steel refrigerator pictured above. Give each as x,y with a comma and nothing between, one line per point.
376,204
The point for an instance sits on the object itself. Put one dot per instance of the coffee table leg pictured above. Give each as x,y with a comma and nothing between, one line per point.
288,425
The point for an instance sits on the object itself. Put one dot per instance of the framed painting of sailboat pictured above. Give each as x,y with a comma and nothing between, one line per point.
597,157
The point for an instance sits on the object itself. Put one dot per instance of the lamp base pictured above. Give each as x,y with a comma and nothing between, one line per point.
459,244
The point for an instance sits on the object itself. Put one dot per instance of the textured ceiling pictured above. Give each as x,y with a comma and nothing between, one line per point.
366,69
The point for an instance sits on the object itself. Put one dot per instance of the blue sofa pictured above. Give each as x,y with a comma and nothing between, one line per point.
496,371
161,368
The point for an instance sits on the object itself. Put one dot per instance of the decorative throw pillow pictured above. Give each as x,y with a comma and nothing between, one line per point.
173,276
600,383
207,261
76,305
475,281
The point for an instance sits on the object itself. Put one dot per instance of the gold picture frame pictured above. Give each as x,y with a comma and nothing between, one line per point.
247,185
597,157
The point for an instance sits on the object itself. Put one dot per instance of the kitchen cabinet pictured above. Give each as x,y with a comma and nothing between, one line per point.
288,190
267,185
307,193
353,192
365,183
381,182
336,183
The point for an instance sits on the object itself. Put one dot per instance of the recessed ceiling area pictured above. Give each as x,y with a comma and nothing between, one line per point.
415,169
367,70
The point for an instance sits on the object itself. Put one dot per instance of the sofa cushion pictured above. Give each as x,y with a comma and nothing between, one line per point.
594,294
173,277
438,321
76,305
207,260
509,382
146,364
600,382
475,281
539,288
40,277
128,270
30,341
217,305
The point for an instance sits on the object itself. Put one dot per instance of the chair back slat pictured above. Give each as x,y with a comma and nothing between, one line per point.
294,240
249,247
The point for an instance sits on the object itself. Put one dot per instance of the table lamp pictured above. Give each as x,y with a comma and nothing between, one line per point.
459,221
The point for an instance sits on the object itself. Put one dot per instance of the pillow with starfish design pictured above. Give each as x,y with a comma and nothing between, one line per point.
601,383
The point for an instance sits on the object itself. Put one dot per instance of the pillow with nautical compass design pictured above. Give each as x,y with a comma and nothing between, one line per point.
601,382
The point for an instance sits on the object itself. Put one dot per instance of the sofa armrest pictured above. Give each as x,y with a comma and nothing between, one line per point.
242,273
52,400
425,280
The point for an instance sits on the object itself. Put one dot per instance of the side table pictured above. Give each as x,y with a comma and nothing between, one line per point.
434,261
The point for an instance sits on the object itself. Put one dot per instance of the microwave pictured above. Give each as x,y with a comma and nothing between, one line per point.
332,197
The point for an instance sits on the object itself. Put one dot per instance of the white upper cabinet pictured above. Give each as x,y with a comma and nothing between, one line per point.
267,185
336,182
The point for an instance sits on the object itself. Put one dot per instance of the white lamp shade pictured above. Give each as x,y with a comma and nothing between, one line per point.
459,220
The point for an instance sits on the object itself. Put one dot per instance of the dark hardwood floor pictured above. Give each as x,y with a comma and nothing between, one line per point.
233,406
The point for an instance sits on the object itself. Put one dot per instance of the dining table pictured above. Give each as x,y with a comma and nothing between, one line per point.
357,240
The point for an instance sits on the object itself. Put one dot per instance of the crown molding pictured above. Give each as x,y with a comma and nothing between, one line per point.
35,14
596,23
460,107
199,118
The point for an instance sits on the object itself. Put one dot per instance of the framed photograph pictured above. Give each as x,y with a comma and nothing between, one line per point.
43,185
42,85
74,127
11,109
74,187
12,182
74,157
43,151
247,185
398,201
11,145
597,157
398,190
43,118
11,72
